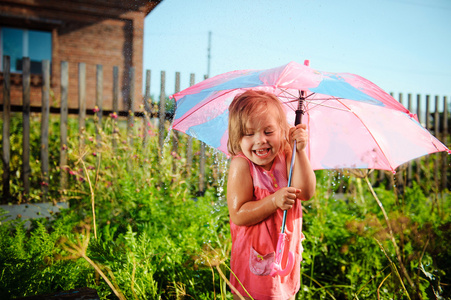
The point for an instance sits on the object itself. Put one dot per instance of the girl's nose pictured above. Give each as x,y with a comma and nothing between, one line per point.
260,138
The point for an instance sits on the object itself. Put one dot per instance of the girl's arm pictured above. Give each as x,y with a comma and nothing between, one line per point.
303,176
243,210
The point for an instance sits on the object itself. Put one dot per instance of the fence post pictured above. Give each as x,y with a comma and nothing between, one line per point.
399,176
147,111
428,127
81,104
131,113
445,141
26,170
437,134
45,118
162,115
131,106
409,166
6,131
99,101
202,160
63,124
418,160
189,150
115,105
175,135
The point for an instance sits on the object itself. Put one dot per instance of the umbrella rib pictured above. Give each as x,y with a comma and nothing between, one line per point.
328,106
203,104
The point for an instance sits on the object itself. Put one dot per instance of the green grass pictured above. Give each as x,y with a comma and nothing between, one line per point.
154,237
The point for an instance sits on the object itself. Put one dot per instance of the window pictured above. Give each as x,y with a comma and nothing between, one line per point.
18,43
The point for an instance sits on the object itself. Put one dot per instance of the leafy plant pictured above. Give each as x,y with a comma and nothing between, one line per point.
137,227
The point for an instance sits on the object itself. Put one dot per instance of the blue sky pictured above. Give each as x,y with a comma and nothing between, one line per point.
404,46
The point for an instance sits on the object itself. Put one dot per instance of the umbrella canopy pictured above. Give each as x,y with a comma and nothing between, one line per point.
352,123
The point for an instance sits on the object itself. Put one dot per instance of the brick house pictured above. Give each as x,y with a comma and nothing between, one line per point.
105,32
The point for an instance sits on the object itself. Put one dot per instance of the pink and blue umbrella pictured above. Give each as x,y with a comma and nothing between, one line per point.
352,123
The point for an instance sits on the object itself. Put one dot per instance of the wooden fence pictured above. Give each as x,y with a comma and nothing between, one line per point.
406,174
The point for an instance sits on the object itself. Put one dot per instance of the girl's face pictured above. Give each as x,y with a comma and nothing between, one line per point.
262,139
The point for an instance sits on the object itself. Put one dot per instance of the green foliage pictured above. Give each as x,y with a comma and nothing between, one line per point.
153,237
347,241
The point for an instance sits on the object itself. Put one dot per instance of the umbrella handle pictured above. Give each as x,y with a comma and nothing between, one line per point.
293,157
276,266
299,112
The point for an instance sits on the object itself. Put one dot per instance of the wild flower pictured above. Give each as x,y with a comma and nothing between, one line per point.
113,115
96,109
175,155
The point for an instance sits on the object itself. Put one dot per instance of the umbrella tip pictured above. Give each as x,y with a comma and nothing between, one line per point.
307,62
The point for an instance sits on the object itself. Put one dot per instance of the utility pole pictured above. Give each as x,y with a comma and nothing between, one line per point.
209,54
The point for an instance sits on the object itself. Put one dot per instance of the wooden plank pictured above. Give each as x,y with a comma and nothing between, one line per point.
202,161
63,123
401,172
162,114
175,134
81,103
437,134
147,107
6,154
26,169
99,101
428,127
189,150
147,110
418,160
410,165
115,106
445,135
131,106
45,118
131,113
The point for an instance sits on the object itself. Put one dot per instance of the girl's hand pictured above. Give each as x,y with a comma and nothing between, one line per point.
300,134
285,197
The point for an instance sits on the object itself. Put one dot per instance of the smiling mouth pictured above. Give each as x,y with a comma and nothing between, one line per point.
261,152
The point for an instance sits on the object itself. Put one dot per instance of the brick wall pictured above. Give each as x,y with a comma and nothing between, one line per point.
109,33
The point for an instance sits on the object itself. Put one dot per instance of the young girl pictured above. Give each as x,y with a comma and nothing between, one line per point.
260,141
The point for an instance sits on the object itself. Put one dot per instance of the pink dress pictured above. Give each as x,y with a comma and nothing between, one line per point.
253,247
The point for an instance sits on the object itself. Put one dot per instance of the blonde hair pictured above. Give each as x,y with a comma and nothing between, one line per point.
247,105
